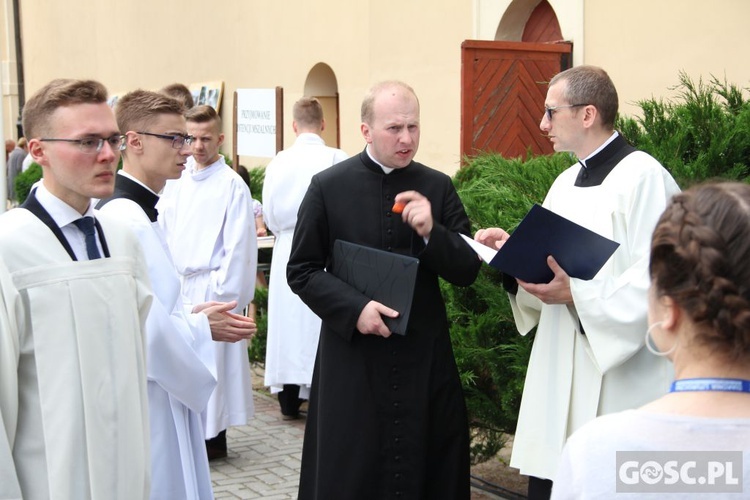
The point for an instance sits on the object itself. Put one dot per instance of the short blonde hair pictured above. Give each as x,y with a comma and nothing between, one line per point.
58,93
138,109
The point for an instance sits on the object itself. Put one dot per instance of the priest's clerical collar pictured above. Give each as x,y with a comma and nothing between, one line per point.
597,150
130,176
600,163
386,170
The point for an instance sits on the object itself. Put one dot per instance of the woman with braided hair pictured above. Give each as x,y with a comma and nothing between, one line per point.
699,317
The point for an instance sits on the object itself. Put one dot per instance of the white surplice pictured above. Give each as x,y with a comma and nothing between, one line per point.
207,217
181,366
573,377
73,403
293,329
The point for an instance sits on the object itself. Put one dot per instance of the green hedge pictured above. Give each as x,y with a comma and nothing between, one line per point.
25,180
703,134
491,355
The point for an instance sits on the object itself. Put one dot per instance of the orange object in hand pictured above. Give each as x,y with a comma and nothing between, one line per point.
398,207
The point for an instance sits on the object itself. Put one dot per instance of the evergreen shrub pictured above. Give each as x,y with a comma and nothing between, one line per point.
257,346
491,355
25,180
701,135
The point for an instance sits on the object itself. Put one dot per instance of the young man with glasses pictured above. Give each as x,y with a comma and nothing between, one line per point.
588,356
180,351
74,295
207,217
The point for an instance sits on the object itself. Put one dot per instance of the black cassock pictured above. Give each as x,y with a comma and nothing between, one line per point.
387,417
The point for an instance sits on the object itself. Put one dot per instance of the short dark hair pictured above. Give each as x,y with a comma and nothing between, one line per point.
591,85
58,93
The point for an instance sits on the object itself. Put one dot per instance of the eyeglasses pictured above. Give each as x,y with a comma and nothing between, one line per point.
549,111
178,140
93,145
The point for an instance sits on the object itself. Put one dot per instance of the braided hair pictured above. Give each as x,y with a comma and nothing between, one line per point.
700,257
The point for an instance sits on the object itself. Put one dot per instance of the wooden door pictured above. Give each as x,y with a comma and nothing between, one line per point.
503,86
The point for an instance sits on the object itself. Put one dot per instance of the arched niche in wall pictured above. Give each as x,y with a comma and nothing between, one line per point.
321,83
529,21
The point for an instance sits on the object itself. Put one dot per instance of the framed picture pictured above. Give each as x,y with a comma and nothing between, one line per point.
209,93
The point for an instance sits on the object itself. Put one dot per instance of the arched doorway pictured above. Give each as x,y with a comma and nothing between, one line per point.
321,83
504,82
542,25
529,21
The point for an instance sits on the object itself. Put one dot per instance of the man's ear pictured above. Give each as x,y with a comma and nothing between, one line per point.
365,128
590,114
133,142
37,152
221,139
322,125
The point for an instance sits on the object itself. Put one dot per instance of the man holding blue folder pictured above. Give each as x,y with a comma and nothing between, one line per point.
588,356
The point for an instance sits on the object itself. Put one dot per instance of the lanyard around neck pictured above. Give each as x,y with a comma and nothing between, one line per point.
710,384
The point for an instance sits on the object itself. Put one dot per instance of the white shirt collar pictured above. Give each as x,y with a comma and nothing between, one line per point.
309,138
386,170
62,213
604,145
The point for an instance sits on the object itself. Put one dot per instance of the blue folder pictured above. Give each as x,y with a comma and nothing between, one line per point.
579,251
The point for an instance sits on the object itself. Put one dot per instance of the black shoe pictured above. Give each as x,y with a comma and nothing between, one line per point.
217,447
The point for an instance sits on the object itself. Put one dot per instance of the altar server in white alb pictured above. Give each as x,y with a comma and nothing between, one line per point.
207,216
74,296
589,356
181,360
293,329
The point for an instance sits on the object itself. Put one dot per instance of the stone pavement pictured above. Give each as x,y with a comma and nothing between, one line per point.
263,460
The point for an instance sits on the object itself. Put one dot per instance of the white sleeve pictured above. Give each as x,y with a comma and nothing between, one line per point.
9,355
235,277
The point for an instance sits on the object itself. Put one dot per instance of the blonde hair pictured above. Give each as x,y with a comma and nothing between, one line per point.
58,93
138,109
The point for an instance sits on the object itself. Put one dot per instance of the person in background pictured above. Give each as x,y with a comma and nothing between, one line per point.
293,329
10,145
260,226
387,417
15,161
699,319
588,357
74,297
181,93
206,216
181,361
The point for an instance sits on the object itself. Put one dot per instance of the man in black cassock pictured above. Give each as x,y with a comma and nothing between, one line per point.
387,417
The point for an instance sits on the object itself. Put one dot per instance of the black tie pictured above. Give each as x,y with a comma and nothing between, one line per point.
86,224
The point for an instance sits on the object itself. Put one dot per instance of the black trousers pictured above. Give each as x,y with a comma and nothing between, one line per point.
539,489
289,400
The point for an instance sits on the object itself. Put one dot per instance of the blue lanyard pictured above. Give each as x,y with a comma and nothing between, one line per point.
710,384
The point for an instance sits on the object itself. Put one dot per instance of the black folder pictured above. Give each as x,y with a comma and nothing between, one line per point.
385,277
579,251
